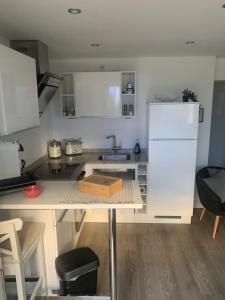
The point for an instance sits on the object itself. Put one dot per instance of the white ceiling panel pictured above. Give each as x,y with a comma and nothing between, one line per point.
122,27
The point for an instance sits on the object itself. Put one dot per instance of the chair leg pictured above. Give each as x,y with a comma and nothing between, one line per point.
20,281
43,267
2,283
216,226
202,214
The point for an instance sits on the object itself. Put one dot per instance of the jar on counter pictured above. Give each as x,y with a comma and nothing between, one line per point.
54,149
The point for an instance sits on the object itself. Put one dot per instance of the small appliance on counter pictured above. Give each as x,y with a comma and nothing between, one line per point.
73,146
10,163
137,148
17,183
11,167
54,149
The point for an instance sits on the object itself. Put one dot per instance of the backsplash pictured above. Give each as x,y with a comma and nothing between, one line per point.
34,140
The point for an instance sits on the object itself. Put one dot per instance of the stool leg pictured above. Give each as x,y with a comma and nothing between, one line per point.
2,282
202,214
20,281
43,267
216,226
63,289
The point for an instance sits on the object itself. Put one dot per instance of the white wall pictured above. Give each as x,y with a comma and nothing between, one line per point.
220,69
155,75
33,140
4,41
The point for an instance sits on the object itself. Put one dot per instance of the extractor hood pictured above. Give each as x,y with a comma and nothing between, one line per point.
47,82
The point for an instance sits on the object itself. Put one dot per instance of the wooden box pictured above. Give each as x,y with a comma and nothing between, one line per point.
100,186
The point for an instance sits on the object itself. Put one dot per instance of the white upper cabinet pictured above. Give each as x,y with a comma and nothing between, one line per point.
18,92
98,94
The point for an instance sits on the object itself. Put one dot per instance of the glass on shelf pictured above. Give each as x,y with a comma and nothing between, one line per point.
68,107
128,103
131,110
69,111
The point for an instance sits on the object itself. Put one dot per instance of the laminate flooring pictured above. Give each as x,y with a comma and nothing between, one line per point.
162,261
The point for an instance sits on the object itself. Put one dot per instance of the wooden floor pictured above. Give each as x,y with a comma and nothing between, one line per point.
162,261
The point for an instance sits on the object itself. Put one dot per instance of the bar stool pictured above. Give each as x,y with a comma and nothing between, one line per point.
18,241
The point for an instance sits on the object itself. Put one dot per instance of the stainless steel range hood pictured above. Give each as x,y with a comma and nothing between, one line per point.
47,82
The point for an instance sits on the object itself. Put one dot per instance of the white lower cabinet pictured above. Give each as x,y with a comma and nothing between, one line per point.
60,236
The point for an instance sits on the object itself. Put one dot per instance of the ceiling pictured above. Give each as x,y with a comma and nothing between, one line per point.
124,28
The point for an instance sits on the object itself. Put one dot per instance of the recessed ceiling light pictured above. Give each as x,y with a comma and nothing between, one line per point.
74,11
189,42
95,45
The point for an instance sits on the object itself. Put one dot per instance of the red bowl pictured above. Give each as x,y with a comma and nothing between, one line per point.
32,191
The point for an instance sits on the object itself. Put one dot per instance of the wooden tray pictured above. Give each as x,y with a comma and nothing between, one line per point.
102,186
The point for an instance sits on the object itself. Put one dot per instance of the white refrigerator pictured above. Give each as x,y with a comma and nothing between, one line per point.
172,146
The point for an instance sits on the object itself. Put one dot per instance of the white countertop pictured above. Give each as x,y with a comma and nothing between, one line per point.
65,195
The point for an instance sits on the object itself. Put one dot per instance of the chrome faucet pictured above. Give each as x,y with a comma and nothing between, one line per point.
114,146
112,136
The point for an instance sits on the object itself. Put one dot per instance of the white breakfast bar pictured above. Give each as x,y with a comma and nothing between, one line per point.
58,195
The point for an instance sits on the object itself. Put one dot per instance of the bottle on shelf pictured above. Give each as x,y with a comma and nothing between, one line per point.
131,110
137,148
125,110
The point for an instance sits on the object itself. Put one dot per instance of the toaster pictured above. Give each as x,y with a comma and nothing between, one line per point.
73,147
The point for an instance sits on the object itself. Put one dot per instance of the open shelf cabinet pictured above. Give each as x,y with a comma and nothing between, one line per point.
67,95
142,177
128,93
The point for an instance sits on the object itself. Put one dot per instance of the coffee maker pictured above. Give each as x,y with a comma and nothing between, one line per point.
10,163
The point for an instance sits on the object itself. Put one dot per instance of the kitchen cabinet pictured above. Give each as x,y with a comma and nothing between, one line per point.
98,94
67,94
18,92
128,95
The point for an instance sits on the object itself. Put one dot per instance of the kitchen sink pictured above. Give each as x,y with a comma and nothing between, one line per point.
114,156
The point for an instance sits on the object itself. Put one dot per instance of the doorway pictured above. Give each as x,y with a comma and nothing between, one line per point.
217,134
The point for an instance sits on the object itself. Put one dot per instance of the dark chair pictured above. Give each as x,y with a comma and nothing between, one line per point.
208,198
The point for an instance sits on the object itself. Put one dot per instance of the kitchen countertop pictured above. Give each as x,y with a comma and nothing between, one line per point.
65,195
91,157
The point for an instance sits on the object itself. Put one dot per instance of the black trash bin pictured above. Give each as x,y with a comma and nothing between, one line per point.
77,270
